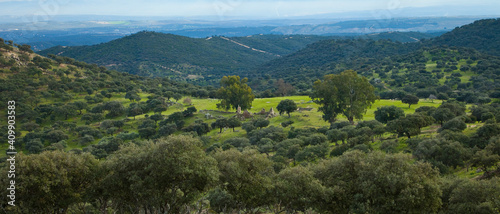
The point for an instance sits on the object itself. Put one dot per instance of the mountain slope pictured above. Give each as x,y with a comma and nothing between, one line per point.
157,54
328,56
461,73
63,103
482,35
333,56
398,36
202,60
182,58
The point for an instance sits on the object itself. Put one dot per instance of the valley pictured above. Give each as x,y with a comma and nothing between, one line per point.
149,123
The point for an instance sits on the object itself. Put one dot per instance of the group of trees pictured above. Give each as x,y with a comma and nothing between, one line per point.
50,106
223,122
266,169
395,70
175,175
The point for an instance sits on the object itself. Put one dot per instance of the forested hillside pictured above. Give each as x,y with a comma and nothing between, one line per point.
300,60
482,35
58,99
93,140
329,56
393,65
182,58
201,61
404,37
448,72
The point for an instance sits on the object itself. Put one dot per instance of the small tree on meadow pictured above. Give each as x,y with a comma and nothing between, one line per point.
410,100
233,122
220,123
287,106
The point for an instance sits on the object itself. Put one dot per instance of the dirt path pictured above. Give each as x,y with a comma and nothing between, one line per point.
246,46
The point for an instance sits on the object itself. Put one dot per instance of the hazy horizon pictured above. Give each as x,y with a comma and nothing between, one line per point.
250,9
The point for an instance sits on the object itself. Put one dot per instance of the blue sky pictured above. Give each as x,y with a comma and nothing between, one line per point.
234,8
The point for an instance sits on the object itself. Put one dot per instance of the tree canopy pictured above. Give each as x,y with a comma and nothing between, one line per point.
346,93
287,106
385,114
159,176
234,92
410,100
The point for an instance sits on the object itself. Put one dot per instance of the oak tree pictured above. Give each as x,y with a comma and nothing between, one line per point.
385,114
287,106
410,100
346,93
234,92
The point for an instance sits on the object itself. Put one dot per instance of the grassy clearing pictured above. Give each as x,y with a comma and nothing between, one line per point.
471,172
301,119
370,113
313,116
466,76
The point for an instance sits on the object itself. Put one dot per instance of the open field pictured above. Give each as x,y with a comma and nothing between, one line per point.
301,119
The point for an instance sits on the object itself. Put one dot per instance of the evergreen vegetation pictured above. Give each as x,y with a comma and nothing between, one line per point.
345,94
94,140
234,93
482,35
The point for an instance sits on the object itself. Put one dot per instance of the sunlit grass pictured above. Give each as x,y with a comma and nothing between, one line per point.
302,119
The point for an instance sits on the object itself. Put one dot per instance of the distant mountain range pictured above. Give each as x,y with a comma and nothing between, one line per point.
96,30
294,58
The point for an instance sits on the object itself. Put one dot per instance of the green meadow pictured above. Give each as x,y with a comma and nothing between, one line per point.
301,119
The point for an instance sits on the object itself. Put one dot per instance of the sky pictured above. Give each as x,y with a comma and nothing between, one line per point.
259,9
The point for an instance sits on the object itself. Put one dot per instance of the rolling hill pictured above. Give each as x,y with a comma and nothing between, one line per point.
91,30
449,71
482,35
298,60
305,66
63,95
90,139
203,61
184,58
